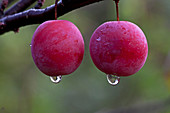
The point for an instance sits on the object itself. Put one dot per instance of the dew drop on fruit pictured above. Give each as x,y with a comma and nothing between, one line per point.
56,79
113,79
98,39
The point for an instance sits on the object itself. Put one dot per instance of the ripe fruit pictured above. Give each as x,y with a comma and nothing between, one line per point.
57,47
118,48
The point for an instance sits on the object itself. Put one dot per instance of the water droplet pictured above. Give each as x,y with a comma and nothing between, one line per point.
98,39
113,79
103,31
56,79
60,1
30,45
106,43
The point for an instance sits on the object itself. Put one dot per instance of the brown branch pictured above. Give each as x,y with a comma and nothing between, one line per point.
35,16
19,6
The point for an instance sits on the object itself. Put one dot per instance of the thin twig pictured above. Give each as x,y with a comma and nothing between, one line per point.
19,6
117,9
56,2
3,5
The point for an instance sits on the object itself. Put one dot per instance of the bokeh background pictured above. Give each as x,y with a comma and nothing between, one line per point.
24,89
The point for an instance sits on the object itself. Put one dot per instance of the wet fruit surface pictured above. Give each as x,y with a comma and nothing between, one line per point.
57,47
118,48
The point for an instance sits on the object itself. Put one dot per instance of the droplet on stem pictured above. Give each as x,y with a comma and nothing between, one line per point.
113,79
60,1
56,79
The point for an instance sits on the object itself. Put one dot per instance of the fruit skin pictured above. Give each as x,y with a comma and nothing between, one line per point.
57,47
118,48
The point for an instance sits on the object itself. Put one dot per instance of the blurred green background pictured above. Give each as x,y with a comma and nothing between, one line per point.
24,89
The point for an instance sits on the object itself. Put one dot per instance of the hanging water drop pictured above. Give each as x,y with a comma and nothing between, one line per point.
30,45
113,79
56,79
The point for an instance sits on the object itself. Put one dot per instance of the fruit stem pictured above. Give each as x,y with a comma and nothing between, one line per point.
56,1
117,8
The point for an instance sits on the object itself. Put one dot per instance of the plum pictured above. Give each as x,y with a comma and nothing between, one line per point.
57,47
118,48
